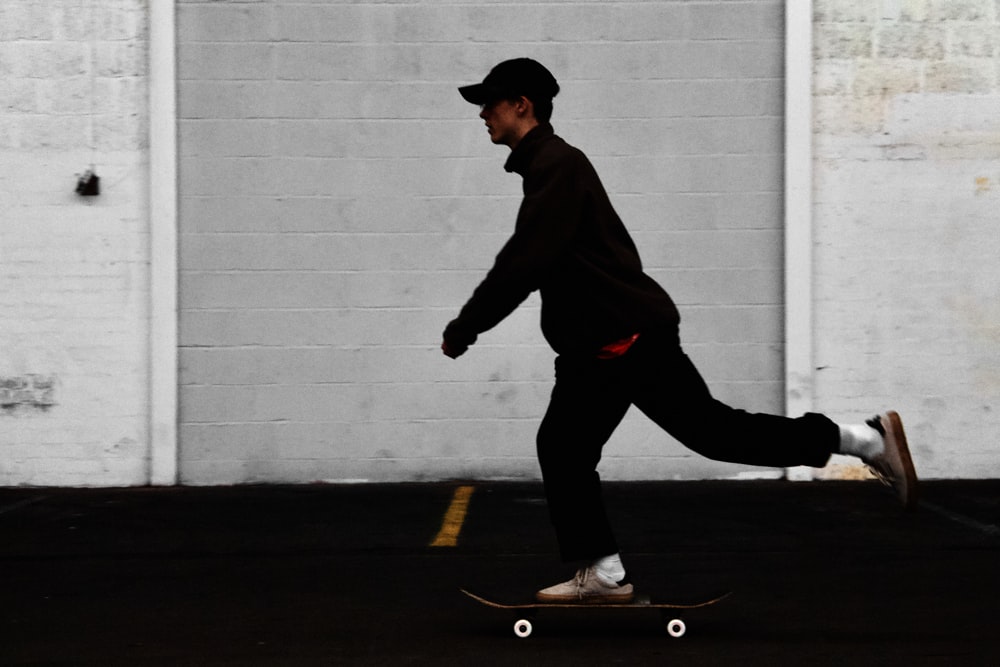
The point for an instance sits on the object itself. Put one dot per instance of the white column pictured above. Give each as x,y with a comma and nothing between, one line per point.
163,243
798,214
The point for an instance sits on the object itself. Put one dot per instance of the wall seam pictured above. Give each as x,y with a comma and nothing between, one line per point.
798,215
163,338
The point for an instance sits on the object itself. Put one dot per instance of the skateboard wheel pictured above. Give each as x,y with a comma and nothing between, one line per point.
676,628
522,628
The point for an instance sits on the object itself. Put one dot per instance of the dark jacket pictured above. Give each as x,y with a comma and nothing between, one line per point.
569,243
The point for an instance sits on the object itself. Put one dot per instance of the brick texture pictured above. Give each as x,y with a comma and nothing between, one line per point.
73,276
908,141
340,201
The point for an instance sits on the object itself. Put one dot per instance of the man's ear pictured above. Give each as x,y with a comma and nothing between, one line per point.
525,107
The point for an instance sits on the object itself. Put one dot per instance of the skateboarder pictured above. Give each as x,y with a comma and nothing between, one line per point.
615,331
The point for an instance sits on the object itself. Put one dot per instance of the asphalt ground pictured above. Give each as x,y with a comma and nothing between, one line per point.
821,573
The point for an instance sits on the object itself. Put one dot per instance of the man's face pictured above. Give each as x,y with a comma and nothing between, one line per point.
503,122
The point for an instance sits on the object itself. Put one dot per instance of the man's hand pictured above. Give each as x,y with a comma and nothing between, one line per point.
453,351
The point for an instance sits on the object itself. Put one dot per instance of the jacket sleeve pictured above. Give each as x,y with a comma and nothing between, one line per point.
546,223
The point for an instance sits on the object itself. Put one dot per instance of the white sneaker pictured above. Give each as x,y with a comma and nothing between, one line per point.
894,466
587,587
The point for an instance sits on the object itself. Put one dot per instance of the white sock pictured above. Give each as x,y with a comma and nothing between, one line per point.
610,568
861,440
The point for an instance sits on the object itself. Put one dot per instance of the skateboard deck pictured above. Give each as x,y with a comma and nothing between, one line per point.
527,610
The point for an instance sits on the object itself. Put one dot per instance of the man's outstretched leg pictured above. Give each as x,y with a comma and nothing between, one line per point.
668,388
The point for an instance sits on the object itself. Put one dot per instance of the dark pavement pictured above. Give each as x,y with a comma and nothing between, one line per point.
822,573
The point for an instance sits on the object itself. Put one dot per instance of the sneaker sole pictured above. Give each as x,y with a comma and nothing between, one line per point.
897,440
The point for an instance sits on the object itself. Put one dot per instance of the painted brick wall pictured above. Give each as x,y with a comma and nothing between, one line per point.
73,276
339,201
907,193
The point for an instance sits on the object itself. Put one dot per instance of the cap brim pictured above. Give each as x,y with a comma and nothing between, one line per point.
479,93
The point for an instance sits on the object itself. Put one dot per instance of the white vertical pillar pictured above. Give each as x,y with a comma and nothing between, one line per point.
163,243
798,214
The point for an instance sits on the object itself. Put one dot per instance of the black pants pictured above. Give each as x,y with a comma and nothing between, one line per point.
589,400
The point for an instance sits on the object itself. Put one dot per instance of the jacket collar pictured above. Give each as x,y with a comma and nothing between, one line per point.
520,158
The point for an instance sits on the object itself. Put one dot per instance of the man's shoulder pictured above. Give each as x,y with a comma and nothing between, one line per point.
556,144
556,151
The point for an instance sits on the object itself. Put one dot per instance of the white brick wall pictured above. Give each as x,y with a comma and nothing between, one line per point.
331,134
73,295
907,181
340,201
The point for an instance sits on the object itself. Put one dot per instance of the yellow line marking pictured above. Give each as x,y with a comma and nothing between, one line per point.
454,518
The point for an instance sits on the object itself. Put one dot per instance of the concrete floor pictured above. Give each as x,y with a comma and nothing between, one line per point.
821,573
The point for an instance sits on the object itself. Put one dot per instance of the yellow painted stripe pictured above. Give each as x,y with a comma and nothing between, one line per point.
454,518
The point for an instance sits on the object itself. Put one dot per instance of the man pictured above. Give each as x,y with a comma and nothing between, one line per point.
615,331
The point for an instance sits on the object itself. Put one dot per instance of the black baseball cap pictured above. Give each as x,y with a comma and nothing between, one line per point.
511,79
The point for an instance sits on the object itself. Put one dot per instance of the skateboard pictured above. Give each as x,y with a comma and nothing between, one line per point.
525,612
